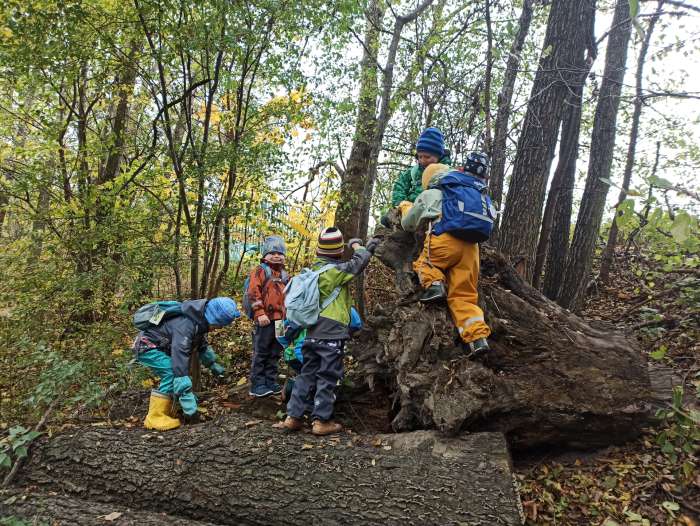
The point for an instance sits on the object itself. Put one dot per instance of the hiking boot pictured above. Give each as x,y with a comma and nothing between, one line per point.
275,387
436,292
292,424
260,391
320,428
478,349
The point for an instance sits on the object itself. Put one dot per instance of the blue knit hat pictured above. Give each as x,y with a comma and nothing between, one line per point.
221,311
431,141
274,244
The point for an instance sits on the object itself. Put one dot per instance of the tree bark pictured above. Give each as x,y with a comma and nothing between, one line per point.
549,379
233,472
580,257
606,259
556,223
505,97
569,35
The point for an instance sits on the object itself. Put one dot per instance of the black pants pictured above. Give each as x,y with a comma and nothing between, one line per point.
266,355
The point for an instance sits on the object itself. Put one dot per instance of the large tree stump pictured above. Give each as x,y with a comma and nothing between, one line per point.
233,472
551,378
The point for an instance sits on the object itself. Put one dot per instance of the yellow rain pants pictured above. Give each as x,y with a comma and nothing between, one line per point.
453,261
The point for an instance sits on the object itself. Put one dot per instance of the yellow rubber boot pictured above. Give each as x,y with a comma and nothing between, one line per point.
158,416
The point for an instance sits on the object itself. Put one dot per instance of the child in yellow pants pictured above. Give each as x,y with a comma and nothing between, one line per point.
448,267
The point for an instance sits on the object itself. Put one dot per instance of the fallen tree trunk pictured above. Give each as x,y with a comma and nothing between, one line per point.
43,508
234,472
551,378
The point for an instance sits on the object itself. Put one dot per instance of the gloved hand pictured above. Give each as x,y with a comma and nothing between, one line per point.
372,244
353,241
207,357
182,388
263,320
217,369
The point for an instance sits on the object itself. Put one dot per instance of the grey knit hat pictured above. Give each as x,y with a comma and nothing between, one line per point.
274,244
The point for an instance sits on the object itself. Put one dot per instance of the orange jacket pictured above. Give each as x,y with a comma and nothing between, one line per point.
267,297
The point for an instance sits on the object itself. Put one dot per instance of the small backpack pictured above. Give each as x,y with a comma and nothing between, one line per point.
247,305
302,298
153,314
467,210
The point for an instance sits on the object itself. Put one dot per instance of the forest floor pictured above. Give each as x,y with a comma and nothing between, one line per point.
651,481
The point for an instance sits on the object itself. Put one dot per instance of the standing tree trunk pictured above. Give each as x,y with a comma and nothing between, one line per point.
580,256
354,180
607,257
560,221
569,35
505,96
559,199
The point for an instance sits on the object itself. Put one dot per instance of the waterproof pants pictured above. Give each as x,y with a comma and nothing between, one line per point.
453,261
322,369
266,355
161,366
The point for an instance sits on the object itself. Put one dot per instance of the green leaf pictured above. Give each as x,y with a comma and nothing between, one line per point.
547,51
670,506
660,182
21,452
659,353
5,461
681,227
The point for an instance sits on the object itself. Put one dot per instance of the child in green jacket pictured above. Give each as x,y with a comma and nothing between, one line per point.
430,149
323,348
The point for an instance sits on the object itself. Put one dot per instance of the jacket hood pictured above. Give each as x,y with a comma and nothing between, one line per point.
195,310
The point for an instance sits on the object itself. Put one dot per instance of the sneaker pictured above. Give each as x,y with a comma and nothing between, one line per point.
292,424
436,292
478,348
320,428
275,387
260,391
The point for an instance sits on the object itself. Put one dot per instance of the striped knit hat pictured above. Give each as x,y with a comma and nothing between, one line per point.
330,243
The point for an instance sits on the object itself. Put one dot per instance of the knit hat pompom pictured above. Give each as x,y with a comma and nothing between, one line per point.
431,141
330,243
221,311
274,244
431,171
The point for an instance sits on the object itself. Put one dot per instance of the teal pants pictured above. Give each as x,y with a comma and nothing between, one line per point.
161,365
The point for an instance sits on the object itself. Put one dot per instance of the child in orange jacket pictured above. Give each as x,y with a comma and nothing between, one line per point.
266,296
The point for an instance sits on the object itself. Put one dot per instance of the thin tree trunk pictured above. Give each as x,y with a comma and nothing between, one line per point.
607,257
560,221
559,199
505,96
580,257
569,35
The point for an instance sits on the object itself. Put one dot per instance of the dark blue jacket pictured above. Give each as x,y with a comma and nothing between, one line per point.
179,335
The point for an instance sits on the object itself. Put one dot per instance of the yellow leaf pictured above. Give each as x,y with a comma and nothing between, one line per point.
307,446
242,381
148,383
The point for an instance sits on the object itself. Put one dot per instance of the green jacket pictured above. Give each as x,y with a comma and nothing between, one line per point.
408,186
334,320
428,205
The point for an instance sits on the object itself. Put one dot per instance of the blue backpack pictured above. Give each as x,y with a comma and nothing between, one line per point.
467,210
247,306
153,314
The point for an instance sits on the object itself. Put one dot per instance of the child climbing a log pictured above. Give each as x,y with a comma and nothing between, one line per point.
170,332
430,149
459,216
263,302
323,348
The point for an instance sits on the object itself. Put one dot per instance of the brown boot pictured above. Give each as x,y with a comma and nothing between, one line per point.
293,424
320,428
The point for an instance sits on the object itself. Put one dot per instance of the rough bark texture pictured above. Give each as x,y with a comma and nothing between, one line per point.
61,509
227,472
550,378
559,228
569,35
505,96
580,258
